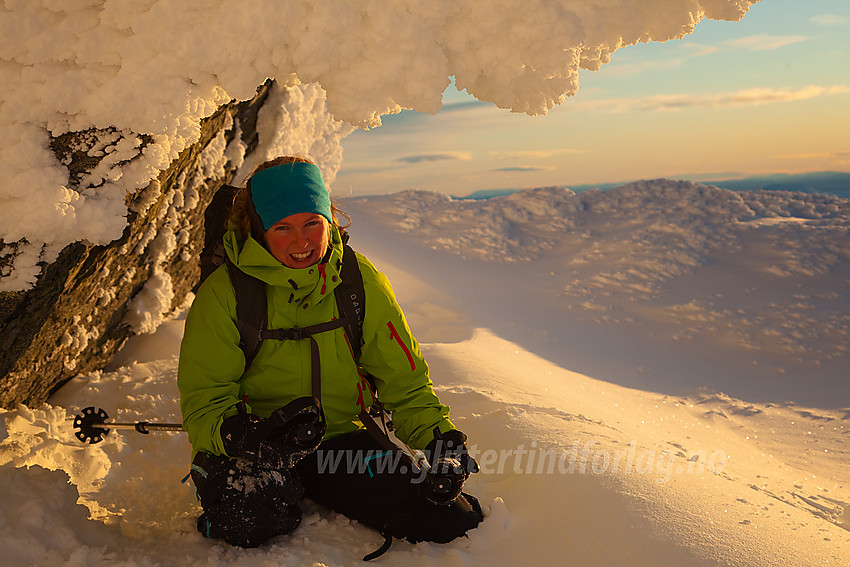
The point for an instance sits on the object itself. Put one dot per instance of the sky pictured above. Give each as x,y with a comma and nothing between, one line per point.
768,94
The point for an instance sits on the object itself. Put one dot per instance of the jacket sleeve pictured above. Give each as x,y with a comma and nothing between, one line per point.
392,356
211,363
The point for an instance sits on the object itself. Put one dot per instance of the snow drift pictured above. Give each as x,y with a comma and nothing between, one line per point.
578,468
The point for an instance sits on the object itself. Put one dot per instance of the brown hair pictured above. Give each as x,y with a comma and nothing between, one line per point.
239,210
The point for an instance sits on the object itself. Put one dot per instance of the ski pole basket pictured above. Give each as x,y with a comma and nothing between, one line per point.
91,425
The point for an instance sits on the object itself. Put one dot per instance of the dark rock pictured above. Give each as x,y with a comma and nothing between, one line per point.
74,319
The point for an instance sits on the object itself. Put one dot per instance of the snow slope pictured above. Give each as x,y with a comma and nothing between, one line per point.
666,285
591,468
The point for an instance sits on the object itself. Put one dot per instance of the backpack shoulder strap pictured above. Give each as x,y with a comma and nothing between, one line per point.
251,310
351,299
215,224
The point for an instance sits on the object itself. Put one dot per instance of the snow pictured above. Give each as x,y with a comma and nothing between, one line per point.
148,308
135,80
654,375
643,263
707,454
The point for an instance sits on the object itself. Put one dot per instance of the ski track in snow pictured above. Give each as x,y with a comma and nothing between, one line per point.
600,467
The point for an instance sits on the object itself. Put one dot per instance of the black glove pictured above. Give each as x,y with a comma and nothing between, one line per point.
451,465
278,441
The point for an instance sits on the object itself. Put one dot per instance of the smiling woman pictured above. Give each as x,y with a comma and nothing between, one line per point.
299,240
260,417
294,209
277,235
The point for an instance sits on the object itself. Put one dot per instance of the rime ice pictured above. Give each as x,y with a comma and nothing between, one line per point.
140,76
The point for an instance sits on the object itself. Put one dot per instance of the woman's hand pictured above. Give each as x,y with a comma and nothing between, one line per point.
278,441
451,465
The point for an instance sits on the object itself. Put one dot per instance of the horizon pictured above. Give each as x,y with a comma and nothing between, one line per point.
766,95
816,181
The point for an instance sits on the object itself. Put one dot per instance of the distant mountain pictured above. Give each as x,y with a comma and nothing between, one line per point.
488,193
830,182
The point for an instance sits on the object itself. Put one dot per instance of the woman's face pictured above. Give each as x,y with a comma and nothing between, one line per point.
299,240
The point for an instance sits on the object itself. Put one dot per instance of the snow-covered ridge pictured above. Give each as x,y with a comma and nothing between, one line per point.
687,218
653,254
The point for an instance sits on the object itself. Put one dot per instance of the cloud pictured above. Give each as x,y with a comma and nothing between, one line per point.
536,154
464,105
632,69
523,169
840,156
354,168
830,20
687,50
765,42
746,97
442,156
699,49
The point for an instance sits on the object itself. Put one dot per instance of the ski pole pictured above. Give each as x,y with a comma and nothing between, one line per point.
91,425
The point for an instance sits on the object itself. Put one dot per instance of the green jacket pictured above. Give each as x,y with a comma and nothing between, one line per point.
210,374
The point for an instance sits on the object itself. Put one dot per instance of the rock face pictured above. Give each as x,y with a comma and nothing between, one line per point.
92,298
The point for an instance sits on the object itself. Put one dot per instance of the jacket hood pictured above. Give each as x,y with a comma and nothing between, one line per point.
314,282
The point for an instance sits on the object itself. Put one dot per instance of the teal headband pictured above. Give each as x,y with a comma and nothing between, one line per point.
288,189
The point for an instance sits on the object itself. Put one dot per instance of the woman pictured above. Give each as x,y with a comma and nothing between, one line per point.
250,466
